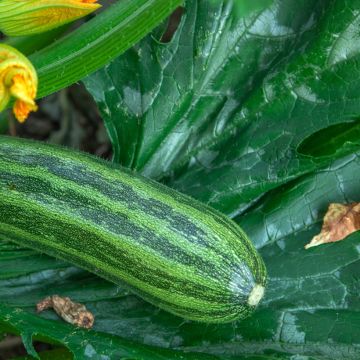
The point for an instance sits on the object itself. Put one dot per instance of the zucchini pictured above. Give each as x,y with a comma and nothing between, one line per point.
167,248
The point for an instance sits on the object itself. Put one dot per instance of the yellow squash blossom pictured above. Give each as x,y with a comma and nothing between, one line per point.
28,17
18,80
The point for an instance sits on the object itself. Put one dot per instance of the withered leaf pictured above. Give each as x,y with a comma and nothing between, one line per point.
72,312
340,221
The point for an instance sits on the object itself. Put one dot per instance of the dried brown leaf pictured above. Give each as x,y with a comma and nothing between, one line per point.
72,312
340,221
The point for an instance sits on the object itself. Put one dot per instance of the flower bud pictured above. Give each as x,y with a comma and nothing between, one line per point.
18,80
28,17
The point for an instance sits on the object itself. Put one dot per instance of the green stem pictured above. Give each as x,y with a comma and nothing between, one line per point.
98,41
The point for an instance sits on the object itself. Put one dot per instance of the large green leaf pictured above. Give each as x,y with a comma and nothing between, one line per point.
83,344
160,101
223,115
241,111
311,306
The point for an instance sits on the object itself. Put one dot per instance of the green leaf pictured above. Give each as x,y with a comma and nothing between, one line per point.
257,151
245,7
255,115
222,117
169,98
83,344
311,307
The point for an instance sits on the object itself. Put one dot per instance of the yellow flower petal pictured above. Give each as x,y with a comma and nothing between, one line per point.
22,90
27,17
22,110
18,79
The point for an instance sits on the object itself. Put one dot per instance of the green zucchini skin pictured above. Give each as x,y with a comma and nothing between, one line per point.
169,249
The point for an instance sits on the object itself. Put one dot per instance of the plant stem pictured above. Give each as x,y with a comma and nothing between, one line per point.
98,41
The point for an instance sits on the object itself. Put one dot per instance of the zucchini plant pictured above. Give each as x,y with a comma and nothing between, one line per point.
252,112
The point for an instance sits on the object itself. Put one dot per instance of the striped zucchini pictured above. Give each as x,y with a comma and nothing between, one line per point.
169,249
